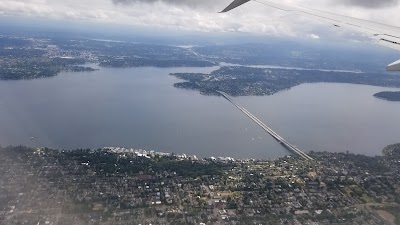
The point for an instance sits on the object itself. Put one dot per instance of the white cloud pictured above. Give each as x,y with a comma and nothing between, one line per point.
252,17
313,36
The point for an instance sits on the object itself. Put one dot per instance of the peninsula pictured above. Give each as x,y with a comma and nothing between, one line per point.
393,96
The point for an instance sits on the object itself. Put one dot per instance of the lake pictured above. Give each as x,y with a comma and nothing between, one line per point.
140,108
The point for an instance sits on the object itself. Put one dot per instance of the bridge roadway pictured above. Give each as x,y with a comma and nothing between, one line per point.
283,142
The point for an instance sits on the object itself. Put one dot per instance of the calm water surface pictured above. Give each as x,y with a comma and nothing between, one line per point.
140,108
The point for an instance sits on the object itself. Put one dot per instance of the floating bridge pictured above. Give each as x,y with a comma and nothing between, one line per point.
282,141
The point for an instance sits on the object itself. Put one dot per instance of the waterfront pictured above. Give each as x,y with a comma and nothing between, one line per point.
140,108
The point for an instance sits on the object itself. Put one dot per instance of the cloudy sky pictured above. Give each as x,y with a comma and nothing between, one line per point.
201,15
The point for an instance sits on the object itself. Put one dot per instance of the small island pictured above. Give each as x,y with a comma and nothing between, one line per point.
389,95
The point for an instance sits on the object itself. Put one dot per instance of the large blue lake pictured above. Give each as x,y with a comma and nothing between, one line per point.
140,108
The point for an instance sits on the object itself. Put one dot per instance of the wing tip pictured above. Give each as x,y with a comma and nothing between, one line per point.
395,66
234,4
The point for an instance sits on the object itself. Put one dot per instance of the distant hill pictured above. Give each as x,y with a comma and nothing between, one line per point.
389,95
392,151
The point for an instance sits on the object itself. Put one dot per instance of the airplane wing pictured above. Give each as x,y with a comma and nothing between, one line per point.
385,35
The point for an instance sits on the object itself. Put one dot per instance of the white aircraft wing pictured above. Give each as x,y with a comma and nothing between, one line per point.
386,35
